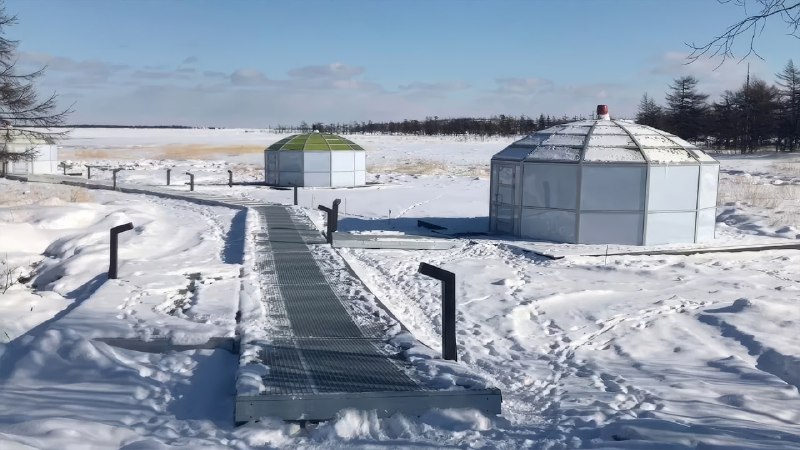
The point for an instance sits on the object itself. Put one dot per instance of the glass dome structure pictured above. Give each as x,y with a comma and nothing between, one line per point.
315,160
604,181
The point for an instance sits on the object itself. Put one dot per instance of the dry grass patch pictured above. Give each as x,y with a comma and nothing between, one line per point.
782,201
174,152
422,167
28,194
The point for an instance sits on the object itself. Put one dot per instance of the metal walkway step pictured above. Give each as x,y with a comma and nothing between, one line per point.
319,359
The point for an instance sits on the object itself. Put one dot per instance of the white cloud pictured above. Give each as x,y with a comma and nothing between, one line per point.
334,70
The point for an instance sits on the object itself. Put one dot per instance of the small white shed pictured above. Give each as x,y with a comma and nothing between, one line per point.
315,160
16,141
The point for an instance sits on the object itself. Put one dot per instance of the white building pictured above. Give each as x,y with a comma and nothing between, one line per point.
315,160
604,181
15,141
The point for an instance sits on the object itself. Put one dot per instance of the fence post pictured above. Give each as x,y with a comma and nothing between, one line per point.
230,178
114,176
295,196
168,173
448,280
88,172
191,181
64,166
112,266
333,219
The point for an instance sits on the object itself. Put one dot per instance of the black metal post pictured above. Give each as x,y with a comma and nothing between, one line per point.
114,176
295,196
191,181
88,172
168,174
112,266
64,166
230,178
333,219
448,280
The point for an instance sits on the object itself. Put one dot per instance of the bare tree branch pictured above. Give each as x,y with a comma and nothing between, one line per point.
752,25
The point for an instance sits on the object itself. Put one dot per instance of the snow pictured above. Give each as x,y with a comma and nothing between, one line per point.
623,351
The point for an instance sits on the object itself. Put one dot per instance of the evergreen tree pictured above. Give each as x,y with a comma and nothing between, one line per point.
649,112
686,108
789,101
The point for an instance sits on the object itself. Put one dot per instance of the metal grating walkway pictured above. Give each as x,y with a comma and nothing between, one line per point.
320,360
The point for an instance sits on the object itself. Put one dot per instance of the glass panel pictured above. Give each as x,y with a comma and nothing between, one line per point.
701,155
613,154
565,139
533,139
673,188
554,153
706,224
548,225
709,178
668,155
611,228
609,188
550,186
513,153
653,140
670,228
611,140
505,175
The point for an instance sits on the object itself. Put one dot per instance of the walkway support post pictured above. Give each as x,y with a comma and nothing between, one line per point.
230,178
88,172
114,177
168,174
112,266
191,180
448,280
295,196
333,219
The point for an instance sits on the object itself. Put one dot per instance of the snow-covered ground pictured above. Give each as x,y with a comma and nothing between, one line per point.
672,352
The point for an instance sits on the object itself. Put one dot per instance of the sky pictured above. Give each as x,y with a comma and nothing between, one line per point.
263,63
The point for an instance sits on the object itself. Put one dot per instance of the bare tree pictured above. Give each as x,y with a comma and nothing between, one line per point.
750,27
20,107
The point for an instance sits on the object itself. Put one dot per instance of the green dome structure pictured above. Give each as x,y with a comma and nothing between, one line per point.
315,160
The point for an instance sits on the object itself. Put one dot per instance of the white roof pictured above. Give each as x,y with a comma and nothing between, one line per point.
604,141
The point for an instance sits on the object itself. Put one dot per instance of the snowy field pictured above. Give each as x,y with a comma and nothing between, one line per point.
617,352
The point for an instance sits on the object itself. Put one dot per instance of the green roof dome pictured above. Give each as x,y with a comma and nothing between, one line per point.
314,141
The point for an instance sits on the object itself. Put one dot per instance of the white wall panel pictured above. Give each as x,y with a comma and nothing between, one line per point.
706,224
343,160
290,178
317,179
317,161
673,188
613,188
548,225
669,228
709,178
290,161
360,161
611,228
360,177
341,179
550,185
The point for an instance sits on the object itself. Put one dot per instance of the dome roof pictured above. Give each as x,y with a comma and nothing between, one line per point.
604,141
314,142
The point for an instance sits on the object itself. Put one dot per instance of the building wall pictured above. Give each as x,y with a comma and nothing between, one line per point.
629,204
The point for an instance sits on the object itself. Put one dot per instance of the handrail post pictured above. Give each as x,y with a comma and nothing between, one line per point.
295,196
230,178
88,172
333,219
448,279
168,174
191,180
114,176
112,266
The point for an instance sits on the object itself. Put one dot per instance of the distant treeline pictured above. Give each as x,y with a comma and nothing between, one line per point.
756,115
501,125
176,127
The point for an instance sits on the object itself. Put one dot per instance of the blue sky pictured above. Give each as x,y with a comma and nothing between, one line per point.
259,63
